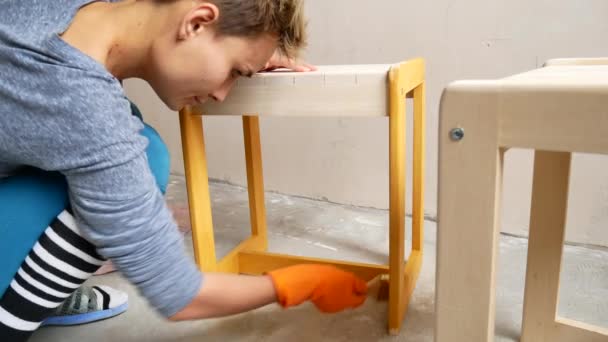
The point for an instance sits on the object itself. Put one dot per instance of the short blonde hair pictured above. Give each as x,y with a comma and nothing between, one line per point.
249,18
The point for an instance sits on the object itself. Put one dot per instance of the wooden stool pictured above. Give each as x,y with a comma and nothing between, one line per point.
364,90
555,110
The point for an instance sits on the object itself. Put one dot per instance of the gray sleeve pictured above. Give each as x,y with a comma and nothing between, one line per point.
116,200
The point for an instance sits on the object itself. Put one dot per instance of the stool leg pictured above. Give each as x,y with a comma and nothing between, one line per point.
197,183
546,241
396,203
470,177
255,180
418,177
414,262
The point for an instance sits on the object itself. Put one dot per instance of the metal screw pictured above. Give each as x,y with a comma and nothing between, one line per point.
457,134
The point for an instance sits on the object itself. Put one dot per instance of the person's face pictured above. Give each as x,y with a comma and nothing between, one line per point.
198,64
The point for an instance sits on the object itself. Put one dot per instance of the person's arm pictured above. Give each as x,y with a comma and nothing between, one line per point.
121,211
227,294
115,198
328,288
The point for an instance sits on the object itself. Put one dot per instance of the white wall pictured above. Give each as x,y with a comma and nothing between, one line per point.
346,160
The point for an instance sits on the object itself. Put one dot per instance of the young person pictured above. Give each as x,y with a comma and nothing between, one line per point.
78,182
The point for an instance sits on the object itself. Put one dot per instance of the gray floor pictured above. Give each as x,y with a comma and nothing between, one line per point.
306,227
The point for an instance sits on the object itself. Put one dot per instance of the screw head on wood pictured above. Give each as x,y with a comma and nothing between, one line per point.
457,134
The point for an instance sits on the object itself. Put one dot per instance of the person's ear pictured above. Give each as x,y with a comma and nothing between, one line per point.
198,19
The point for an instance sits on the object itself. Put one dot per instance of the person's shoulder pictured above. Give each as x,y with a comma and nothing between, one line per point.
94,90
92,100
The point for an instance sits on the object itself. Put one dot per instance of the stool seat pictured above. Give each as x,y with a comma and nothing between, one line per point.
561,75
332,90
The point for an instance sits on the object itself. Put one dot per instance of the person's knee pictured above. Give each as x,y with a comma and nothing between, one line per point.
33,189
158,157
30,201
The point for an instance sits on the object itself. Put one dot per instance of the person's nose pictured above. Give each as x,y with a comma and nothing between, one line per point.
221,93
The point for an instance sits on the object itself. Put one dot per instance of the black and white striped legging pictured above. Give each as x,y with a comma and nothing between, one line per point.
60,261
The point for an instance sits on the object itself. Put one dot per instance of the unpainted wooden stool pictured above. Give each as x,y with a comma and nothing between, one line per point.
555,110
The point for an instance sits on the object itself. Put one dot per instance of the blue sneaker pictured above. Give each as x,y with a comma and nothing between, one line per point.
89,304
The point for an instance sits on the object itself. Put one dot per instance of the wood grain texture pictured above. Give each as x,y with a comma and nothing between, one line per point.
346,90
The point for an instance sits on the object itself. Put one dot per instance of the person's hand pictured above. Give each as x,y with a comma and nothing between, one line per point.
280,61
329,288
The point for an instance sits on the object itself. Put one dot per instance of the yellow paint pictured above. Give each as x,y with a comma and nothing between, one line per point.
195,164
419,158
260,262
255,178
397,96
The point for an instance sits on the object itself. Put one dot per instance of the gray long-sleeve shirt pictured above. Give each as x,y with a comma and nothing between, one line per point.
61,110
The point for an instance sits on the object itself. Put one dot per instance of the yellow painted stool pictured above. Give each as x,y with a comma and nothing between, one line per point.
353,90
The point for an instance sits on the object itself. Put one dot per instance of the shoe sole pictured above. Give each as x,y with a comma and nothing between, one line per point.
86,317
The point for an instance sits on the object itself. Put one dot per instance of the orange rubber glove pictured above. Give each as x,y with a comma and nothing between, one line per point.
329,288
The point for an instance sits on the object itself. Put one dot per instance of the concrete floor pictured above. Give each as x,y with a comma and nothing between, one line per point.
306,227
